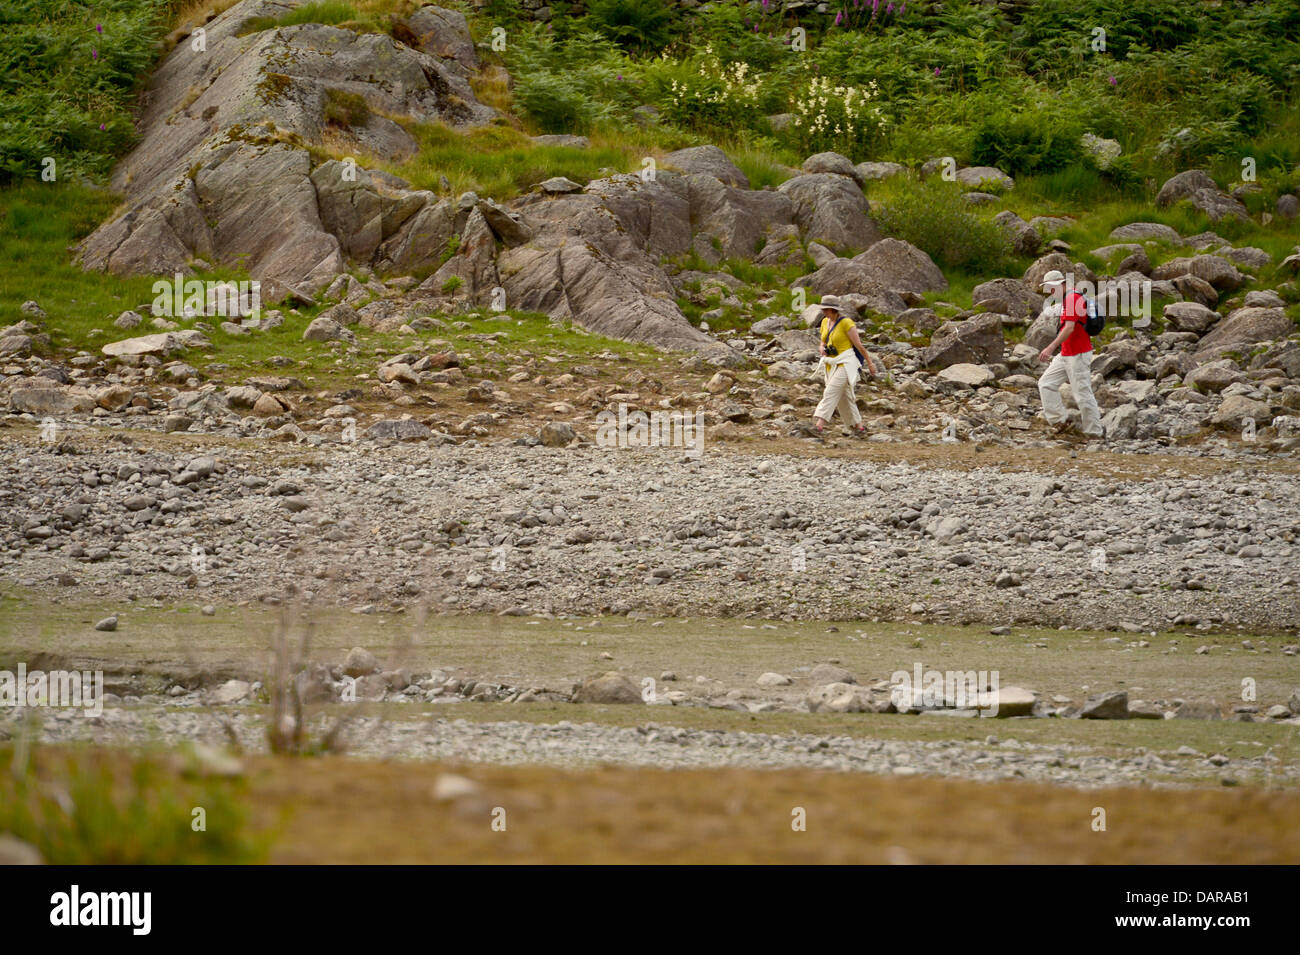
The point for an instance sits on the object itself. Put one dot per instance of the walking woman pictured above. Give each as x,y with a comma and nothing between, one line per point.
842,356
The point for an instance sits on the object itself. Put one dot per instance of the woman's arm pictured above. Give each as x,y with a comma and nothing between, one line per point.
857,343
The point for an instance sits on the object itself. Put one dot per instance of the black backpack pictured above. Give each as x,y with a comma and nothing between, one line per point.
1096,319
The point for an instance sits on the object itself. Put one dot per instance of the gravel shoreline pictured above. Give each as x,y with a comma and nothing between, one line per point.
515,529
654,745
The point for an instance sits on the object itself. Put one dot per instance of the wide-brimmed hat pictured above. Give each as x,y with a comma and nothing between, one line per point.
1054,277
831,302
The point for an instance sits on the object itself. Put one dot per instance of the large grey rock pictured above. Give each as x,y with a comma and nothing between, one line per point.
832,210
322,329
831,673
985,178
977,340
474,264
1243,328
707,161
1215,269
1106,706
1236,409
214,175
611,687
421,240
837,698
398,429
360,662
162,343
1007,297
442,33
972,376
1284,356
1184,185
833,163
361,209
876,171
1146,231
1196,187
1213,376
732,223
901,266
1189,317
49,400
1024,238
593,260
1120,423
847,277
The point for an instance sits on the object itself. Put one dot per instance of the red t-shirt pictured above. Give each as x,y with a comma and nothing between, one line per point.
1075,309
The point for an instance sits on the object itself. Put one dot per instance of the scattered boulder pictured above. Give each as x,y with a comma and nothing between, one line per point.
831,673
610,687
977,340
708,161
834,163
832,210
836,698
901,267
1106,706
1189,317
985,178
360,662
556,434
966,374
1242,329
398,429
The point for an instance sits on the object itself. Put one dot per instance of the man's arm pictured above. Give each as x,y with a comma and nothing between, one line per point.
1046,354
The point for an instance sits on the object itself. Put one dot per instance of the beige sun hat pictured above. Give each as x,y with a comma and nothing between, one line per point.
831,302
1054,277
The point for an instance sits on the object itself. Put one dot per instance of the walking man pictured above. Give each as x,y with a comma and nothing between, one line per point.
1073,364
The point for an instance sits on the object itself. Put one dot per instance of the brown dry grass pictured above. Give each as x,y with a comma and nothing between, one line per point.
344,811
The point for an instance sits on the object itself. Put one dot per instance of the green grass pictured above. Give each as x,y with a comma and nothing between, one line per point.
38,222
500,162
113,808
328,12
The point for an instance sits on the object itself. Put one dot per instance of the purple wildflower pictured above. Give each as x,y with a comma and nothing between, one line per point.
1114,82
99,28
938,70
889,9
94,53
875,8
839,17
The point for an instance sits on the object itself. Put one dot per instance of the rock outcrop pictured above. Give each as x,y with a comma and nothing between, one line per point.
223,171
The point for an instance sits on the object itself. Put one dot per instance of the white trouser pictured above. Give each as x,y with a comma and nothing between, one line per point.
1077,370
840,382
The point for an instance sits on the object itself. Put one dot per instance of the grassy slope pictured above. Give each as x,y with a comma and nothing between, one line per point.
42,219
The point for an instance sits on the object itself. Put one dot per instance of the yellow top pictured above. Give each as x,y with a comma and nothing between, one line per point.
840,341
